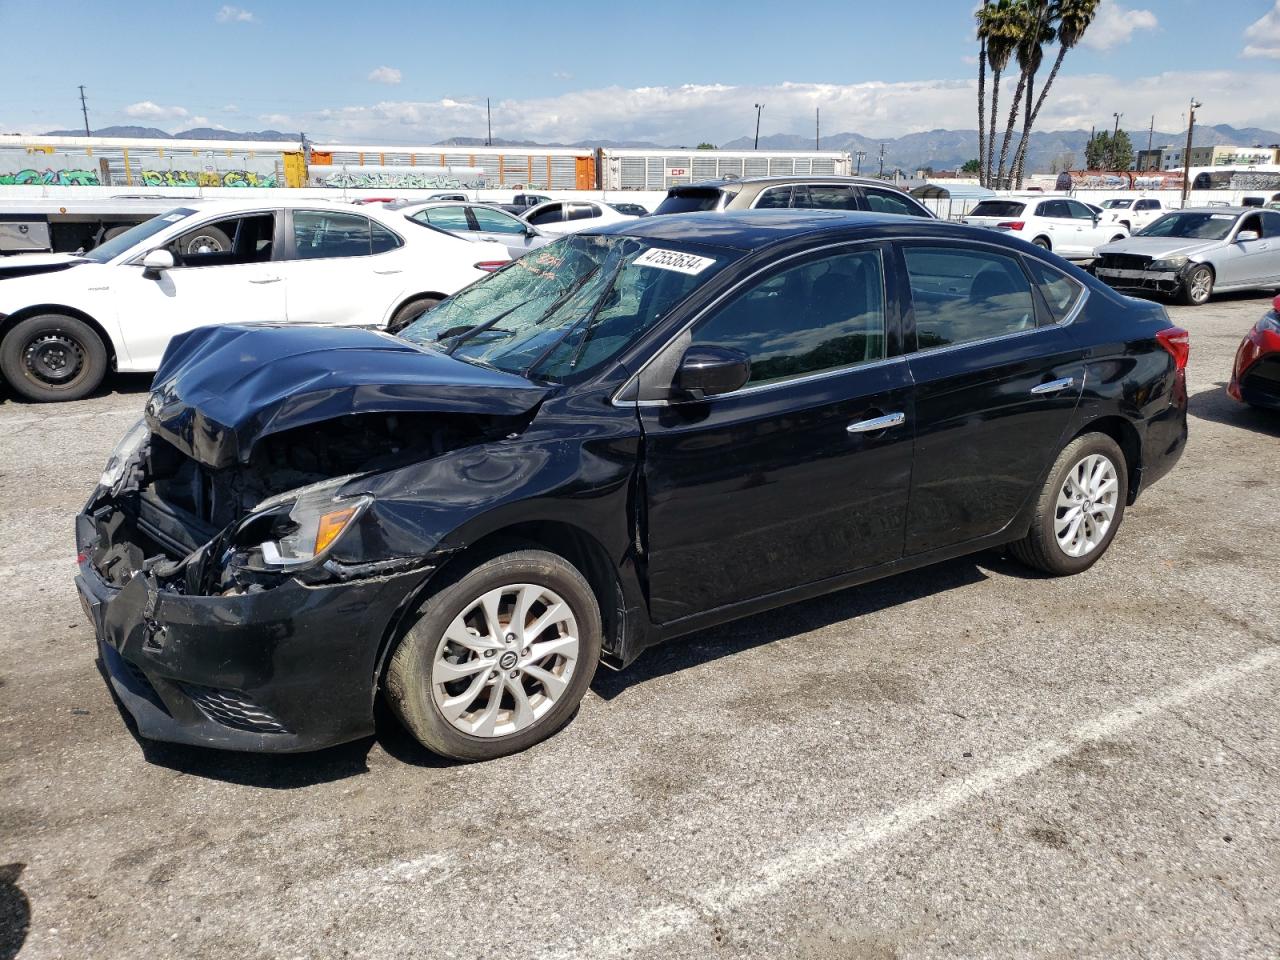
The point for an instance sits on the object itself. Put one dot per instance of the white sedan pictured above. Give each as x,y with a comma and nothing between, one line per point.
223,261
559,217
475,221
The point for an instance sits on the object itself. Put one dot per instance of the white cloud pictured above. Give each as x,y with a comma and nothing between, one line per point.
149,110
385,75
1115,25
716,112
231,108
561,75
278,120
1262,37
229,14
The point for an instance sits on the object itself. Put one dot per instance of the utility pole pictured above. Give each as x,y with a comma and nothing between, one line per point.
1151,132
1115,133
85,110
488,140
882,161
861,154
817,128
1186,154
759,107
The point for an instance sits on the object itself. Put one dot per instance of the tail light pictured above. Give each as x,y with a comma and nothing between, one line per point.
1275,304
1011,225
489,266
1178,342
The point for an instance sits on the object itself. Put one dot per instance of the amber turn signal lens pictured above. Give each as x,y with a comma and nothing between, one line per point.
332,524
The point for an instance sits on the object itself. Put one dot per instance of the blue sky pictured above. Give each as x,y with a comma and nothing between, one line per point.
671,72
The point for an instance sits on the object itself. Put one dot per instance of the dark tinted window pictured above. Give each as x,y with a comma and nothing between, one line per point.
998,208
1060,292
962,295
1252,222
1147,205
1078,210
583,211
689,201
384,239
820,315
1270,224
886,201
323,234
1055,208
553,213
824,196
773,198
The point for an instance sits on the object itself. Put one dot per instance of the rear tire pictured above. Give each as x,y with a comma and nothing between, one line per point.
1080,508
51,357
205,240
410,312
1197,288
498,658
1042,243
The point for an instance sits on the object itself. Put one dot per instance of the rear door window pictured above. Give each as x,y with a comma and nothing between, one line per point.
774,198
583,211
961,295
830,196
328,234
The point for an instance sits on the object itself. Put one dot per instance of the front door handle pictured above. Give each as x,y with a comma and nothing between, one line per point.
385,273
1054,386
876,424
266,280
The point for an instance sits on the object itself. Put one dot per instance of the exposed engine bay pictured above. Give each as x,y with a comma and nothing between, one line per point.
194,527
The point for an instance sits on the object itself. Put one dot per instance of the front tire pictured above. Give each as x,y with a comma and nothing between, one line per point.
499,658
1080,508
53,357
1197,288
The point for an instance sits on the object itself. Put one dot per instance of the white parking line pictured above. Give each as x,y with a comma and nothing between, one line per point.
651,928
59,417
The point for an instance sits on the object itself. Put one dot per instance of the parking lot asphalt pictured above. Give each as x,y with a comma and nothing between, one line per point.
964,761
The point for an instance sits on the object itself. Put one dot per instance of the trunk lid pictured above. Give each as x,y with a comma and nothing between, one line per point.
219,390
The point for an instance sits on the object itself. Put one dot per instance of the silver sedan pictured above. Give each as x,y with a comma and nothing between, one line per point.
475,221
1192,253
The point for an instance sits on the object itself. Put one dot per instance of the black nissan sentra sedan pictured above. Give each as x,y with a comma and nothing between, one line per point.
623,437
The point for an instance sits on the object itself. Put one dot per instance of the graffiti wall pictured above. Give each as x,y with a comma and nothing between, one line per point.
206,178
397,178
29,176
142,167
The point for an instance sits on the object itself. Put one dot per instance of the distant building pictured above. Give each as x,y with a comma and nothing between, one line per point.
1152,159
1220,155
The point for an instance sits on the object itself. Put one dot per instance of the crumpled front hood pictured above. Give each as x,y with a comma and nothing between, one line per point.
1159,246
221,389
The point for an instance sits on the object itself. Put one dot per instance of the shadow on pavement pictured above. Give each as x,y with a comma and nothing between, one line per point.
732,638
15,911
1215,406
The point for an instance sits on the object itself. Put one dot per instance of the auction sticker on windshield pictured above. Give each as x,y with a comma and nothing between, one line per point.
673,260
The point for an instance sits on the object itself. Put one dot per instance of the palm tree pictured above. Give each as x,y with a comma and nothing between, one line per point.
1071,19
1031,24
982,97
998,28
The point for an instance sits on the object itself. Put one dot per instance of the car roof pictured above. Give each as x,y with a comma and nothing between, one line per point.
747,230
1235,210
782,180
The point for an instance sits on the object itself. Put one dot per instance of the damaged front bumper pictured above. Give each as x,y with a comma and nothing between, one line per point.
288,668
1144,281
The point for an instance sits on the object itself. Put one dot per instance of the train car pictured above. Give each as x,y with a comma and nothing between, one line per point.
477,168
630,169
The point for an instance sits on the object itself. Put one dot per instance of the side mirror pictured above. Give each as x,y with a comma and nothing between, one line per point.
155,262
709,371
1244,236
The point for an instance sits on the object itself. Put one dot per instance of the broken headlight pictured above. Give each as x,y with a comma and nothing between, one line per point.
124,454
1168,263
301,526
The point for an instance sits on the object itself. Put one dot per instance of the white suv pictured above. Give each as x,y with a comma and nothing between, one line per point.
1066,226
1131,213
223,261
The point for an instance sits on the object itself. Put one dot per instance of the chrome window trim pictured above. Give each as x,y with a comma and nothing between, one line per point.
1065,322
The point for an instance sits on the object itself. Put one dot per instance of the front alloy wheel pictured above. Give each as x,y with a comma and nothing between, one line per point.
1198,286
505,660
498,657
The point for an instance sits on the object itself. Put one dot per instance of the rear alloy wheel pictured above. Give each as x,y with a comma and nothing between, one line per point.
53,357
1198,286
499,659
1080,507
410,312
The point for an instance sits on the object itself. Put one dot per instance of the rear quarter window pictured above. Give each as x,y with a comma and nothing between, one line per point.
1060,292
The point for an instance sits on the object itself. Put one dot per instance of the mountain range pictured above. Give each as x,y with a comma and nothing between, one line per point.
939,149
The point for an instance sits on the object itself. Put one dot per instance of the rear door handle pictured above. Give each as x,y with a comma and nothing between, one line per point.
266,280
387,272
876,424
1054,386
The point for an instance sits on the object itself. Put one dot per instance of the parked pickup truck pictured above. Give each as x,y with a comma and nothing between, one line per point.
67,226
1133,213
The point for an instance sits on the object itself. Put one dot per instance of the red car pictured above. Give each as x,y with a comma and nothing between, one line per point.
1256,377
